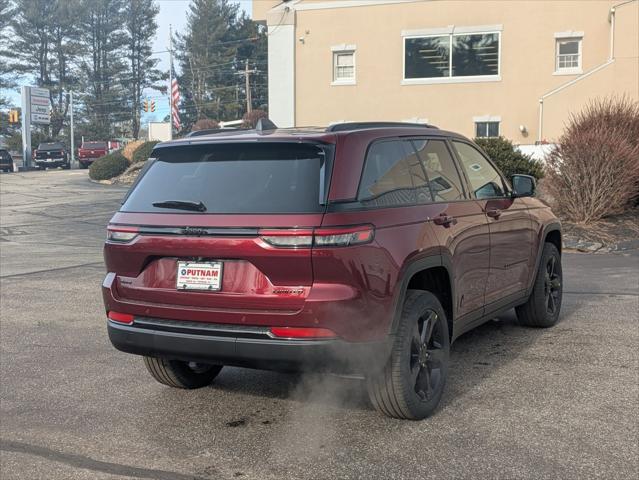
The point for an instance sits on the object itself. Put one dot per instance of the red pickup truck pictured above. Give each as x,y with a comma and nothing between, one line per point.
91,151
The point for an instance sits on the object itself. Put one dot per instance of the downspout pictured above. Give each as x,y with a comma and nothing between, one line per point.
611,59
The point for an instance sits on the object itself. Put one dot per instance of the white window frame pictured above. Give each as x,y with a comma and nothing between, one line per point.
451,31
343,50
570,36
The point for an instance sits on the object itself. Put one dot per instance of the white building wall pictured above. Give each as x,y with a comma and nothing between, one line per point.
281,75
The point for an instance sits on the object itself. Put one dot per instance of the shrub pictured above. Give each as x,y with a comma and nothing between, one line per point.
509,160
109,166
143,152
204,124
249,120
594,171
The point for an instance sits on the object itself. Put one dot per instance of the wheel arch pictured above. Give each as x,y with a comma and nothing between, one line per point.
433,274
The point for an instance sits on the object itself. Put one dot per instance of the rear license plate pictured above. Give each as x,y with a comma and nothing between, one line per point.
199,276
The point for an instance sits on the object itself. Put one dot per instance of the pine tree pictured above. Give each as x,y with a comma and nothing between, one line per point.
206,55
141,27
103,67
6,72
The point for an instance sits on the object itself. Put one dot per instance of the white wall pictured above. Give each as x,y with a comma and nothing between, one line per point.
159,131
281,75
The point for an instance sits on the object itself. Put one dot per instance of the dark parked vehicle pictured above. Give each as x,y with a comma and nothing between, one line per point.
6,161
362,248
51,155
90,152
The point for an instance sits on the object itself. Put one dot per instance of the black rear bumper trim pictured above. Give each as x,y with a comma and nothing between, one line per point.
331,355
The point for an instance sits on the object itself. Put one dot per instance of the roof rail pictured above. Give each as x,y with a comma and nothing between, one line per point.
347,126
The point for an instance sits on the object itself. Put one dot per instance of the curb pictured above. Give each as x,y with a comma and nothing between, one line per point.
102,182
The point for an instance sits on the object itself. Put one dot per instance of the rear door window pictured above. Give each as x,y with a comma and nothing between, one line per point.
392,176
443,176
235,178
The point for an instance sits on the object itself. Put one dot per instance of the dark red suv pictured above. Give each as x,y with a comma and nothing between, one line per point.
362,248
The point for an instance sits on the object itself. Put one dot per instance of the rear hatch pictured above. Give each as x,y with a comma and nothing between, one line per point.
93,149
220,227
49,150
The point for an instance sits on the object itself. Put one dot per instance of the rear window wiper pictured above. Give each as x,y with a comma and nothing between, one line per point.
181,205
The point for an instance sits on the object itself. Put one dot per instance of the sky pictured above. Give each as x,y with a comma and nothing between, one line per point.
172,13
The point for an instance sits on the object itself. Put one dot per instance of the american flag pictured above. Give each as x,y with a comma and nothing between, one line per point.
175,94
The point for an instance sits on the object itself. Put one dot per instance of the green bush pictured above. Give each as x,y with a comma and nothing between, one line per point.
109,166
143,152
509,160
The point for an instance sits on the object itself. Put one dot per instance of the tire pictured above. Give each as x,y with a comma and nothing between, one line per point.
544,304
178,374
411,383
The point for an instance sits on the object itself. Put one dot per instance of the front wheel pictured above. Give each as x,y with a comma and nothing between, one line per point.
543,305
178,374
412,381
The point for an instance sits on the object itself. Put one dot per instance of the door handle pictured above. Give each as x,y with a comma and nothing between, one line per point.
445,220
493,212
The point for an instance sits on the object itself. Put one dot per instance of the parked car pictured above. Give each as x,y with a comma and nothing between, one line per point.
362,248
91,151
51,155
6,161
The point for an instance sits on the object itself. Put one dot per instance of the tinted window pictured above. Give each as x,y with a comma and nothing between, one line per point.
484,180
444,180
94,145
235,178
392,176
427,57
50,146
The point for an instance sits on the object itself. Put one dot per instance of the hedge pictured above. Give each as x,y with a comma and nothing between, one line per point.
143,152
509,160
109,166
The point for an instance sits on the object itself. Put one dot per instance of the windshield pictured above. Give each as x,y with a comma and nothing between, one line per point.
234,178
50,146
94,145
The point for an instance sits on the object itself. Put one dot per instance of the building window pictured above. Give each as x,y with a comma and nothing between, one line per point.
344,67
486,129
568,55
452,56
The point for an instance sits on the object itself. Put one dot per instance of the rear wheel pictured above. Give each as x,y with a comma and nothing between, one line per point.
411,383
543,305
178,374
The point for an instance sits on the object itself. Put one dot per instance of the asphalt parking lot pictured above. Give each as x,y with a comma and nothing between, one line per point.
520,403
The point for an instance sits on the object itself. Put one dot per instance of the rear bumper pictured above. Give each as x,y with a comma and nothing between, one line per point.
57,162
245,347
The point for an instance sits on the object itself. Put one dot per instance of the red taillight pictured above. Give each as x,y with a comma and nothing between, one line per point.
320,237
302,332
121,317
344,236
118,234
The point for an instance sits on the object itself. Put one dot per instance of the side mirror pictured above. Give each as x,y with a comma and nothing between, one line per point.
523,185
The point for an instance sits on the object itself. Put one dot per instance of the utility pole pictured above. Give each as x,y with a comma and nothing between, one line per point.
247,86
170,82
73,165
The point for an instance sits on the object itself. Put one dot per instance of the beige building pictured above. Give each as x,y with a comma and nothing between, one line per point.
515,68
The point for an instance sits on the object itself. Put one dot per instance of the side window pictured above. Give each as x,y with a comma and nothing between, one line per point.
444,181
484,180
392,176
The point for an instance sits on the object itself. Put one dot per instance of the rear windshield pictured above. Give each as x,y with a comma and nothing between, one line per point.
50,146
235,178
94,145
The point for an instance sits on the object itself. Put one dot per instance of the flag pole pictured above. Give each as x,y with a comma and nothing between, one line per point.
171,82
